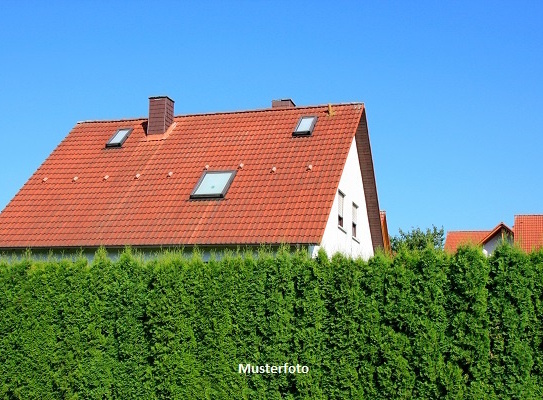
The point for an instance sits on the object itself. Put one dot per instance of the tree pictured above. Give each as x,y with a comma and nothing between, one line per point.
416,239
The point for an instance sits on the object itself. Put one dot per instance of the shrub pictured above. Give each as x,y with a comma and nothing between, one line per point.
421,324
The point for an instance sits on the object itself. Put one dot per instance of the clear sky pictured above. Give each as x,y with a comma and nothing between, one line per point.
453,89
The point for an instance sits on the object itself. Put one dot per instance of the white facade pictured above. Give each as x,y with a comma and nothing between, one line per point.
340,239
490,246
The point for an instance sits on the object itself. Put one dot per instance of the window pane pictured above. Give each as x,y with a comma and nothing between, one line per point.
119,136
305,124
213,184
340,196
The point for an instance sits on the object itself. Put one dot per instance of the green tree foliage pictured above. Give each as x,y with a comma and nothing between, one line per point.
417,239
513,324
421,324
468,321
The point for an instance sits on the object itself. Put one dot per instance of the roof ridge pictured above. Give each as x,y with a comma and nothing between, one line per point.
94,121
473,231
198,114
259,110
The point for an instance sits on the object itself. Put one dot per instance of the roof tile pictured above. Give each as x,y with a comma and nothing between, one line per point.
455,239
528,231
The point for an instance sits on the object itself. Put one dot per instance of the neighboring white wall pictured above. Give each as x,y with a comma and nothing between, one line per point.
336,239
490,246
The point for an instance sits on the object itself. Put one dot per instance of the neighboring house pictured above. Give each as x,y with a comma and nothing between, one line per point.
488,240
301,176
527,233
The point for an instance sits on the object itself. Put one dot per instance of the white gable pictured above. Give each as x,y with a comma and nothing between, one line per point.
340,239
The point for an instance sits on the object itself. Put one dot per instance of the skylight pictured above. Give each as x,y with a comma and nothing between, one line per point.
305,126
213,184
119,137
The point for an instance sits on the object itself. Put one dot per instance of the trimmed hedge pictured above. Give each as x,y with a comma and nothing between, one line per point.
422,324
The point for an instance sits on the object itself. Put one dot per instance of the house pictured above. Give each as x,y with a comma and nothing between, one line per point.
488,240
527,234
301,176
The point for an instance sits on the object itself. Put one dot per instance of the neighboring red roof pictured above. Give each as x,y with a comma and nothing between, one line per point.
456,238
290,205
500,229
528,231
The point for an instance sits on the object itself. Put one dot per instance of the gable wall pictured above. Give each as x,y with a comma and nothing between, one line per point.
336,239
490,245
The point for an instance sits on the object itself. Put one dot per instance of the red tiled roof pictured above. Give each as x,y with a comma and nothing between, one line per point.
500,229
291,205
456,238
528,230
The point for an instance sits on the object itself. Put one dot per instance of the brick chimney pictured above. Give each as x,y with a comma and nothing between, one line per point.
283,103
160,115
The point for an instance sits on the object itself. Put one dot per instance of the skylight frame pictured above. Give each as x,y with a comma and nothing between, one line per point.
216,195
119,143
302,130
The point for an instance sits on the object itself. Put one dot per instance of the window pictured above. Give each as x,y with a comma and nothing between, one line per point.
355,213
119,137
213,184
341,197
305,126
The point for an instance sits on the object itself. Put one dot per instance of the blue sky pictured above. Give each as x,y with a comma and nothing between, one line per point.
453,90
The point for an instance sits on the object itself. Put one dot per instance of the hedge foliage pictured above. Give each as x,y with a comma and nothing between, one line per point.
422,324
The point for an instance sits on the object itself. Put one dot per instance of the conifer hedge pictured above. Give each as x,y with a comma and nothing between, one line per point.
421,324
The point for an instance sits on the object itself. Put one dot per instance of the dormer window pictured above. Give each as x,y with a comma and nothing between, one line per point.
305,126
119,137
213,185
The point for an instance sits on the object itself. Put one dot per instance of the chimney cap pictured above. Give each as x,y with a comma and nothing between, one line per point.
161,97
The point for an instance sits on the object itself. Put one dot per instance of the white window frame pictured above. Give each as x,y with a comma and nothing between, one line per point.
341,210
354,220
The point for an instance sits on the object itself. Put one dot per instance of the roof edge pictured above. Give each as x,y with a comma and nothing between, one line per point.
494,231
199,114
365,160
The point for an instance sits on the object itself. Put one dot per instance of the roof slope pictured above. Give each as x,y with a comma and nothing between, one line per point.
290,205
501,229
456,238
528,230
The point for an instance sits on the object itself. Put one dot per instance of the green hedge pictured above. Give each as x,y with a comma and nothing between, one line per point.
422,324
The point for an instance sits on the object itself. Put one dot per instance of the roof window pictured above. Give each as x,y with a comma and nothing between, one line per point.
305,126
119,137
213,184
